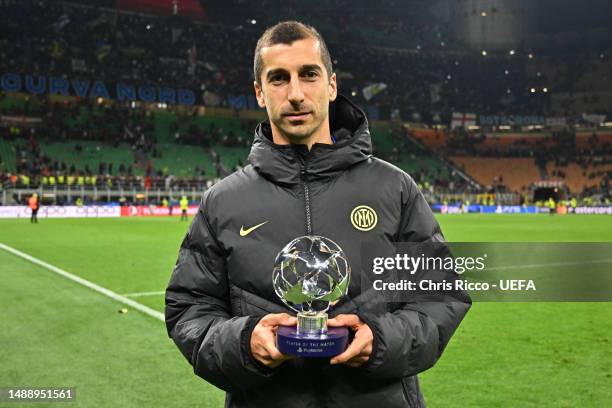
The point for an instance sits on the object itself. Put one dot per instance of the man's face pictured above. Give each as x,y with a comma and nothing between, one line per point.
295,89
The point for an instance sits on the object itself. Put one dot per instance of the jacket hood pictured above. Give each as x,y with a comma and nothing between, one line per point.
283,164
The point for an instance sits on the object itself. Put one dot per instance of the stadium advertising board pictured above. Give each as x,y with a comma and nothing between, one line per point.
93,211
517,209
59,211
486,209
594,210
155,211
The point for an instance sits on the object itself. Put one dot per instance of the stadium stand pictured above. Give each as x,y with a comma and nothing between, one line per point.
515,174
86,41
85,154
421,78
7,157
579,178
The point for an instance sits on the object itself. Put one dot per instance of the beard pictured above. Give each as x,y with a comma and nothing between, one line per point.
299,129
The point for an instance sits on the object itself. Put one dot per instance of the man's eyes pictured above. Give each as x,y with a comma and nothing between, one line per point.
311,74
279,79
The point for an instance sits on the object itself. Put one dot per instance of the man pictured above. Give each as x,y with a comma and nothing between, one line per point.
34,205
552,206
573,204
311,167
184,203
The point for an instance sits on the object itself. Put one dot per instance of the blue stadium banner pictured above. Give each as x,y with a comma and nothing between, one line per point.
240,102
86,88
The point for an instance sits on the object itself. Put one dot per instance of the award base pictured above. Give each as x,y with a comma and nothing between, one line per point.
329,344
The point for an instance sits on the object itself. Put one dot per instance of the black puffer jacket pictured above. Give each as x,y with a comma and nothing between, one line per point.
222,283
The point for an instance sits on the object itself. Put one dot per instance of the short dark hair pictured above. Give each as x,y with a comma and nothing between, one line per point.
287,32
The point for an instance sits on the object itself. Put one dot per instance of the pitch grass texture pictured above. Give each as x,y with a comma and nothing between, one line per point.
57,333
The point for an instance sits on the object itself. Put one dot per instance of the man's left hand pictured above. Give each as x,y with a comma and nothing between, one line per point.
358,352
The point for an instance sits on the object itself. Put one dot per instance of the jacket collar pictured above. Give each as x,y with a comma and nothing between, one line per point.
282,164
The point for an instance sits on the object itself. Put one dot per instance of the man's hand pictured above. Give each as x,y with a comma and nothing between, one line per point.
263,339
358,352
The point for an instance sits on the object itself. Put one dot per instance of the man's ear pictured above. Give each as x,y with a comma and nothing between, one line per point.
333,87
259,95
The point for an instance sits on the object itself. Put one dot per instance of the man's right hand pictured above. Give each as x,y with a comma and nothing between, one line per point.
263,339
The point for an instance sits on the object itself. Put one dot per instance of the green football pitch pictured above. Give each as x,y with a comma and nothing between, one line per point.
57,333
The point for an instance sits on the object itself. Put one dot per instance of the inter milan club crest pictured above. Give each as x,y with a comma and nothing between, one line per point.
364,218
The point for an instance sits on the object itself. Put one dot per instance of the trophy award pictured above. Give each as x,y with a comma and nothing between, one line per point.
311,273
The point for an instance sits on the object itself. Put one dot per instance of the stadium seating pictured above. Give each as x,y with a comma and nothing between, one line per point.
382,137
210,58
583,139
432,138
182,161
516,173
428,165
577,177
7,156
399,43
231,157
92,153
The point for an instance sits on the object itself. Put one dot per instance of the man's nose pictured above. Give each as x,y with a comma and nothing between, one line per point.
296,95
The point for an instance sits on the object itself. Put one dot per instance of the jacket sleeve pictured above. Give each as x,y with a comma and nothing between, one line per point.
198,314
412,338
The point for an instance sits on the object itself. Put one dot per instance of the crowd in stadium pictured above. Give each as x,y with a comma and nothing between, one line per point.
86,120
424,81
110,125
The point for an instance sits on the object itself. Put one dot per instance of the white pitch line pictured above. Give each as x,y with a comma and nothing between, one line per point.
139,294
100,289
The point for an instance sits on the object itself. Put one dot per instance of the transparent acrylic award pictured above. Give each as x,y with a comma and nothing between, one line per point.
311,274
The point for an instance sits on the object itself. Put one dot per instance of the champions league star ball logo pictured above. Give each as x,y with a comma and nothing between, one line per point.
311,274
